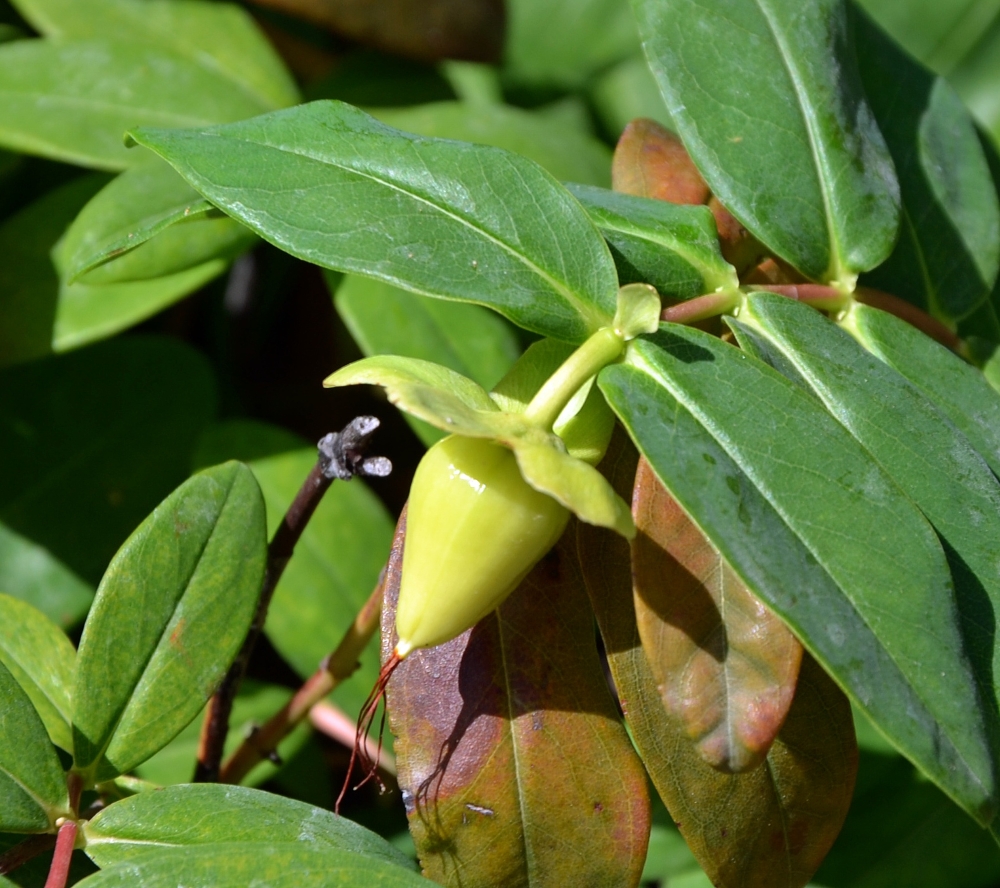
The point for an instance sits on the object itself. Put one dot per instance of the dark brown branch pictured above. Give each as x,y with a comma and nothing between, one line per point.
340,665
341,455
24,851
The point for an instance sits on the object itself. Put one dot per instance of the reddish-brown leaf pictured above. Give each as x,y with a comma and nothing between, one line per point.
769,827
514,762
428,30
724,664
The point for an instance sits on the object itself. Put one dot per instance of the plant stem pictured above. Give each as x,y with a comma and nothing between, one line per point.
700,308
63,856
340,456
596,353
340,665
815,295
911,314
24,851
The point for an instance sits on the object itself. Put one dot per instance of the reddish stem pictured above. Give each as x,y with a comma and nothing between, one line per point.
698,309
815,295
63,856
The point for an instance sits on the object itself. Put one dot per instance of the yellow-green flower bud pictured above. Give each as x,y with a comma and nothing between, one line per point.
474,529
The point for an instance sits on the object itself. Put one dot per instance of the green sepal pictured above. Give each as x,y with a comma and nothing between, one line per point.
638,310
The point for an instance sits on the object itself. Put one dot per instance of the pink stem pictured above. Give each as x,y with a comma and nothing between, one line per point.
63,856
329,720
816,295
698,309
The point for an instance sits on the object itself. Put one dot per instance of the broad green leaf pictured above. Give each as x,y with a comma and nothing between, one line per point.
239,864
72,101
205,814
88,313
850,564
778,125
674,248
948,252
725,666
561,43
35,575
40,658
170,614
769,827
938,32
92,441
465,338
927,456
957,389
221,37
255,703
567,154
331,185
129,230
29,285
32,783
337,560
902,831
482,724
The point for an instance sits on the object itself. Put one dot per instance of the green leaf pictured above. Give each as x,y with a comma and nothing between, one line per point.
725,666
92,441
977,76
40,658
927,456
903,831
72,101
205,814
331,185
568,154
957,389
221,37
948,252
938,32
626,92
675,248
768,827
170,614
129,230
779,129
850,564
465,338
561,43
32,783
255,703
484,721
238,864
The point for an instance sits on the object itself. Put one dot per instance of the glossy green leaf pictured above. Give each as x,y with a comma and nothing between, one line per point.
129,230
73,101
927,456
977,76
222,37
957,389
948,252
767,828
465,338
511,774
207,814
675,248
32,783
850,564
170,614
255,703
92,441
561,43
725,666
779,129
238,864
331,185
568,154
626,92
938,32
40,658
903,831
